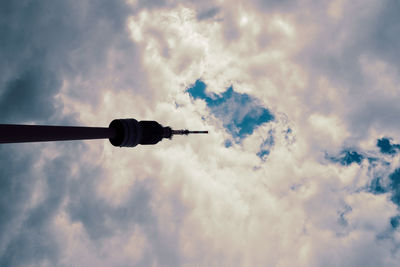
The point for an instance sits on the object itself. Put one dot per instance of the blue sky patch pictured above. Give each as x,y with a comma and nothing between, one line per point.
386,147
384,181
228,143
395,186
347,157
266,145
240,113
376,186
395,222
263,153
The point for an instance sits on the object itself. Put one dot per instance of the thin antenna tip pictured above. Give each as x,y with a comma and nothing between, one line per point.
186,132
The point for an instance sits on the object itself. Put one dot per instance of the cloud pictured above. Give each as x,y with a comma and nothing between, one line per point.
47,49
348,50
274,198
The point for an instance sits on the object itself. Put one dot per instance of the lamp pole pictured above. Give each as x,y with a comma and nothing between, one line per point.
120,132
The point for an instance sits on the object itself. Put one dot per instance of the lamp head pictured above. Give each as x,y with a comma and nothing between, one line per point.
130,132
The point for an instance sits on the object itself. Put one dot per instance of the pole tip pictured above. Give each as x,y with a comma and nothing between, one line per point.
187,132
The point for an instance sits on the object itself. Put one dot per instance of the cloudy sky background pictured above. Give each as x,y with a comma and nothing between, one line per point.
300,168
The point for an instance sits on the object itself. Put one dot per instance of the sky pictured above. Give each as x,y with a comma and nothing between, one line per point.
301,166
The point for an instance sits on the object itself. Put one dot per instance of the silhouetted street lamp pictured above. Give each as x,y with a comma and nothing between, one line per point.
121,132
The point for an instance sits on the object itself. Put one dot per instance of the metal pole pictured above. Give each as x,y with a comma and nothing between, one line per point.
13,133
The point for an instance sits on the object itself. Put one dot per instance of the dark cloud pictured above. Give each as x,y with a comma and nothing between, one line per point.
152,3
43,44
30,240
384,37
208,13
30,96
102,220
15,187
27,232
340,52
277,5
240,113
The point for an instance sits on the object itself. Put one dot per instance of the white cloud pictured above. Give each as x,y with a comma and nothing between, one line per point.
225,205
